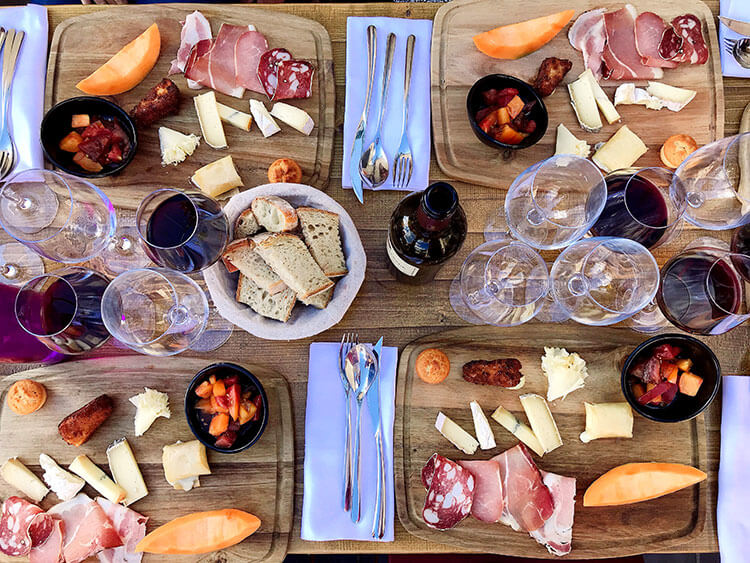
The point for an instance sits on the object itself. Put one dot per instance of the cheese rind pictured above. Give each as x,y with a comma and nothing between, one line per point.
184,460
541,421
20,477
602,100
525,434
482,427
263,119
456,435
621,151
63,483
565,372
235,117
125,470
584,103
656,96
210,121
217,177
100,481
607,420
175,147
567,143
293,116
149,405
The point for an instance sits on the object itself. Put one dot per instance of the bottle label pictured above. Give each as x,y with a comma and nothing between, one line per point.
400,264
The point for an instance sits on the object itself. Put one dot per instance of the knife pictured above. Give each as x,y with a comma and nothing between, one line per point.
373,406
372,38
738,26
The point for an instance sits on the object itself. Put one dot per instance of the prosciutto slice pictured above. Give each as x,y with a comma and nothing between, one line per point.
195,28
488,489
86,528
620,55
51,551
588,35
557,533
649,31
221,63
23,525
130,526
247,52
527,501
196,69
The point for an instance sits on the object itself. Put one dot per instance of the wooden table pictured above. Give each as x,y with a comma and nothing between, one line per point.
402,313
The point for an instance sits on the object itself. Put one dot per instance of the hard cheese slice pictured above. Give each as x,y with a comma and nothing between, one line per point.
525,434
621,151
86,470
482,427
217,177
602,100
235,117
567,143
184,461
584,103
19,476
210,121
607,420
455,434
125,470
542,423
293,116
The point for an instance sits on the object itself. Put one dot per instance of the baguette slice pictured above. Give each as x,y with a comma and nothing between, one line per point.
240,255
274,213
321,231
278,307
288,256
320,300
246,224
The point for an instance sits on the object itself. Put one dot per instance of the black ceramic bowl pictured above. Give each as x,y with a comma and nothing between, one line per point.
475,102
56,125
250,432
684,407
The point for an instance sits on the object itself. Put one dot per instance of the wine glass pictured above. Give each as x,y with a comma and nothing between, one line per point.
716,179
741,245
18,264
155,311
502,283
604,280
63,310
644,205
552,203
702,290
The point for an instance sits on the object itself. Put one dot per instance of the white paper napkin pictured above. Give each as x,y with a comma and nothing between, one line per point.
737,10
27,90
323,514
419,97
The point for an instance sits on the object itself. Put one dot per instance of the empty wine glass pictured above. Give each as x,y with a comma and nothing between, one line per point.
63,310
502,282
604,280
552,203
716,179
18,264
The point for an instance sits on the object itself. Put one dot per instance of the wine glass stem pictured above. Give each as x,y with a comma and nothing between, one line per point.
178,315
10,271
124,245
25,204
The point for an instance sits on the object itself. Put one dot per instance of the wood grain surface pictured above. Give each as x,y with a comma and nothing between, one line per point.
597,532
403,313
259,480
457,64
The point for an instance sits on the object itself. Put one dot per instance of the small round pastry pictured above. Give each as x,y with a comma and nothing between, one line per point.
284,170
26,396
432,365
676,149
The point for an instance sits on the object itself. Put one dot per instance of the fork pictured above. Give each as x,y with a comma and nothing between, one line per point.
347,341
12,40
739,49
403,163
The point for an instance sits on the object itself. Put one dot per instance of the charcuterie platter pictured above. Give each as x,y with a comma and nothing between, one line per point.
457,63
598,531
259,480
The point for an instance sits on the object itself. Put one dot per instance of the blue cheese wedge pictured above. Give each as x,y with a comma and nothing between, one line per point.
125,470
175,146
149,406
507,420
456,435
293,116
482,427
541,421
621,151
210,121
607,420
217,177
21,478
100,481
584,103
567,143
63,483
235,117
183,463
263,119
565,372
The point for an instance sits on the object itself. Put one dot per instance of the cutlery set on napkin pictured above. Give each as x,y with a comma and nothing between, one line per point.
734,37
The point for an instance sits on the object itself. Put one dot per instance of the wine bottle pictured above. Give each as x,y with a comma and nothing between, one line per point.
426,229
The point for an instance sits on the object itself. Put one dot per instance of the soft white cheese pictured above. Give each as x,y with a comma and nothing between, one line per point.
19,476
602,100
208,116
656,96
482,427
584,103
149,405
263,119
125,470
455,434
293,116
541,421
63,483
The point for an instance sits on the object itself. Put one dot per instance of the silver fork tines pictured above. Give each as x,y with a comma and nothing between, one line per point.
12,40
403,162
347,341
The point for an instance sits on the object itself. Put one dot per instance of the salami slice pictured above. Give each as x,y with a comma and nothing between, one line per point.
294,80
690,28
450,493
670,45
268,71
22,526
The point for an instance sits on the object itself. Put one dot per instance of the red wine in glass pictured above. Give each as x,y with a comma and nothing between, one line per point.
741,245
638,214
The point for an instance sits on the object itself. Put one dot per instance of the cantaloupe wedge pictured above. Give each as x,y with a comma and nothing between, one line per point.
519,39
636,482
200,532
127,68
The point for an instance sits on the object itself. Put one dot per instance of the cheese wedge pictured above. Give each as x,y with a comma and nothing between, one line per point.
293,116
602,100
183,462
455,434
541,421
621,151
100,481
565,372
607,420
525,434
63,483
235,117
672,98
263,119
125,470
584,103
482,427
175,146
20,477
567,143
208,116
217,177
149,406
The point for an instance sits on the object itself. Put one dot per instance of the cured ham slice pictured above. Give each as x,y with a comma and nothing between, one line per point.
557,532
620,54
51,551
450,492
649,31
221,62
589,36
247,52
195,28
86,528
488,490
23,525
690,29
130,526
196,69
527,501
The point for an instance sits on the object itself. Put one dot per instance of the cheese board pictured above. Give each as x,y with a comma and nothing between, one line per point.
78,48
457,64
598,531
259,480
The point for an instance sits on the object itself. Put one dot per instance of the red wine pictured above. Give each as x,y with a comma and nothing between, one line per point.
17,345
741,245
638,214
426,229
187,233
697,297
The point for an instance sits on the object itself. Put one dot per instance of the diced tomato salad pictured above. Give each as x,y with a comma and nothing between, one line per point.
96,142
505,116
657,380
225,408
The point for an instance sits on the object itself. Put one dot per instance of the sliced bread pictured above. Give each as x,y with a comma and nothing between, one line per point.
321,231
246,224
278,306
288,256
241,255
319,300
274,213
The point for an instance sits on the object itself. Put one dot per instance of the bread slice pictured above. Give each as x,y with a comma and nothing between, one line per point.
240,255
291,260
320,300
275,214
321,231
246,224
278,307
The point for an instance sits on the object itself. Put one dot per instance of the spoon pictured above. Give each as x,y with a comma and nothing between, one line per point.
373,166
366,371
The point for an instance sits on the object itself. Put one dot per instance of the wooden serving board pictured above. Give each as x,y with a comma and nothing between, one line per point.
81,44
259,480
457,64
597,532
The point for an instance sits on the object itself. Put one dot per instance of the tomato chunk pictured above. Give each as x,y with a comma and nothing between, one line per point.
219,424
204,390
234,401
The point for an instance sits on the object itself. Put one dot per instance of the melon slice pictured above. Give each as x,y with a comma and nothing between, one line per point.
636,482
127,68
519,39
